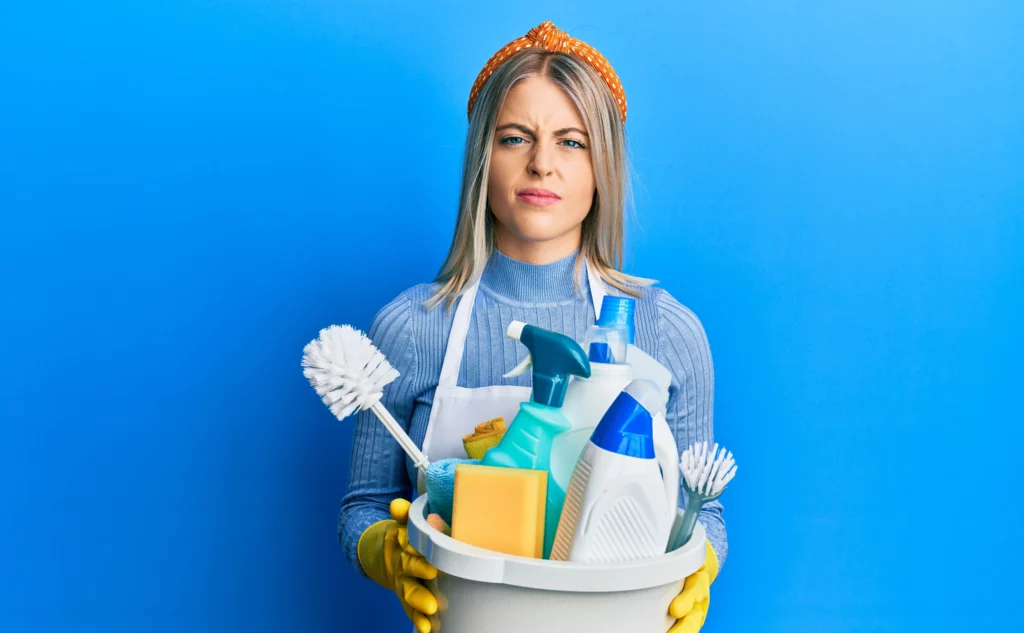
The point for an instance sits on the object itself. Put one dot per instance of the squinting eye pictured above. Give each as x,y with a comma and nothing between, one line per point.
507,140
577,145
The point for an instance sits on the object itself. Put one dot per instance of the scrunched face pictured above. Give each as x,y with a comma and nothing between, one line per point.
541,180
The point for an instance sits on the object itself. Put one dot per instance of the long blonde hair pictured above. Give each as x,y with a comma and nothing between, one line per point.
602,232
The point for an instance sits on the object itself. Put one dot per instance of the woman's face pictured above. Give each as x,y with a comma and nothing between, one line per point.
541,179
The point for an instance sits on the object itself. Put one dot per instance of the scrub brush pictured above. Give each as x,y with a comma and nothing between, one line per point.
705,475
349,373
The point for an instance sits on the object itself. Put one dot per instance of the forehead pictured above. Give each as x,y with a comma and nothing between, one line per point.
539,102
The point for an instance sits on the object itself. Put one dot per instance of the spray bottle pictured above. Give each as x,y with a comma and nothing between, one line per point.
527,442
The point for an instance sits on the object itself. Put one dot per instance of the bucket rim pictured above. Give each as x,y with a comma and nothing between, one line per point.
481,565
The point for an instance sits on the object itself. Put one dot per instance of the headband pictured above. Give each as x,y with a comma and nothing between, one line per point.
549,38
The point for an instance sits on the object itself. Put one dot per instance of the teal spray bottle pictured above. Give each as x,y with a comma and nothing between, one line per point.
527,443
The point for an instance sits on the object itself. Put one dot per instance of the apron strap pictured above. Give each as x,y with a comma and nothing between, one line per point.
598,289
464,311
457,338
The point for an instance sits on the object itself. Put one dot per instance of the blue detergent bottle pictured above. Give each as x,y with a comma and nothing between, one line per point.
527,443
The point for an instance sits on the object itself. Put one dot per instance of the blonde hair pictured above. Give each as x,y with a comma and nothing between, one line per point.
601,241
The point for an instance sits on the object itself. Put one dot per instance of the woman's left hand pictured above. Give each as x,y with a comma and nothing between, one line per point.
690,607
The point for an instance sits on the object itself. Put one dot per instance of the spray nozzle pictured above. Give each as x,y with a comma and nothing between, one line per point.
553,356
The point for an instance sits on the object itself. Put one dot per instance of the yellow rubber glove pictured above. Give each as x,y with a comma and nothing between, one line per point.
389,559
690,607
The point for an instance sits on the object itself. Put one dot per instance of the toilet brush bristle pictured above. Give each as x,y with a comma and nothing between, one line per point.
346,370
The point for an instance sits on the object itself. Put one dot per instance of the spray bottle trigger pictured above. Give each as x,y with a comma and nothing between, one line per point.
521,368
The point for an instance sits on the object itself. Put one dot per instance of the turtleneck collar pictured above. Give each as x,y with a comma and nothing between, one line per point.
531,283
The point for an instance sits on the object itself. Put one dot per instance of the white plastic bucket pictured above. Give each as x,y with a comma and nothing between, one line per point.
480,591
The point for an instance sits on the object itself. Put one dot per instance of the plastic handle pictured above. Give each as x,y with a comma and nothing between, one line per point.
403,439
665,451
521,368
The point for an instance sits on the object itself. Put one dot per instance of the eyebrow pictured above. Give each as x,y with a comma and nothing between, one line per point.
526,130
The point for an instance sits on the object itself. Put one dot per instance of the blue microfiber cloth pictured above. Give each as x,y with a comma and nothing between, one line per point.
441,486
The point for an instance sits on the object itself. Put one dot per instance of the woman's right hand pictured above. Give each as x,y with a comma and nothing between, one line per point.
387,557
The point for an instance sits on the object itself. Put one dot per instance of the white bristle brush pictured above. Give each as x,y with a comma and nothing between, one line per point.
705,474
349,373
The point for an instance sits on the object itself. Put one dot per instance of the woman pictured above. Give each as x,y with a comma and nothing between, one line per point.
538,239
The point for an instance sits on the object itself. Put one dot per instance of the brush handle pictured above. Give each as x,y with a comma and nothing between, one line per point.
403,439
693,506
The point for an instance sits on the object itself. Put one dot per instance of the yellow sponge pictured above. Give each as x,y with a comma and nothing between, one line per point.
500,509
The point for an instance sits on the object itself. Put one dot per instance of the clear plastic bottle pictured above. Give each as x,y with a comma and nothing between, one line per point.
608,339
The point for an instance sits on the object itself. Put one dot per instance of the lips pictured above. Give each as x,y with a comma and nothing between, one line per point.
538,197
542,193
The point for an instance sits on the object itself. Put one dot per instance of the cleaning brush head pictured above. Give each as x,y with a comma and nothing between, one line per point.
346,370
706,472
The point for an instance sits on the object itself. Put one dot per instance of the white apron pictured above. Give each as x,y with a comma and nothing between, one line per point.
457,410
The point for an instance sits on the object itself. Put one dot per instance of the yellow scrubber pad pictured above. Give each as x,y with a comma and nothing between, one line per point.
500,509
485,436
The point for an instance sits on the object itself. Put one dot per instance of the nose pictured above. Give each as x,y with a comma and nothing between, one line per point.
542,161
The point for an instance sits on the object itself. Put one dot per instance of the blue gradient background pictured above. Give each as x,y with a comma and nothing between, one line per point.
190,190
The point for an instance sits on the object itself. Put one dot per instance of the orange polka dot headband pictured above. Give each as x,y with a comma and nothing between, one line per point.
549,38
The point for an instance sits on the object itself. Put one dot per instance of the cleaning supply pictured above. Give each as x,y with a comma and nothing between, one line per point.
440,480
389,560
527,443
435,521
500,509
705,476
586,401
483,591
485,436
618,312
608,340
349,373
618,508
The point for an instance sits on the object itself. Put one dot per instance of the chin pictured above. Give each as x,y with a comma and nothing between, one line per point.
539,231
536,224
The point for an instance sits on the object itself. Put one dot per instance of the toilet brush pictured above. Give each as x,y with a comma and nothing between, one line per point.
350,374
705,475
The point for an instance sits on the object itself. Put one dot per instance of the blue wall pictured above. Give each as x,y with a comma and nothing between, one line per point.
190,190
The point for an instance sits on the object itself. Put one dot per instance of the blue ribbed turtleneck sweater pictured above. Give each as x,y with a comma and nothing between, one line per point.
414,341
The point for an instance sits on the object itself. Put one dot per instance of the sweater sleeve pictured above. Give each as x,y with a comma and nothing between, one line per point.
683,348
377,474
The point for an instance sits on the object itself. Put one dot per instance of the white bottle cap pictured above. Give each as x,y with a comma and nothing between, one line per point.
648,394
